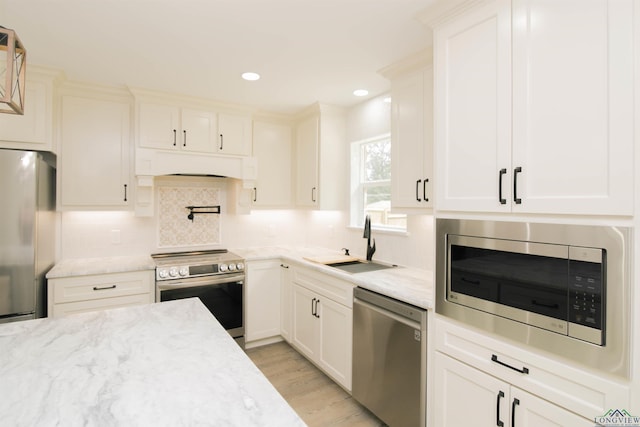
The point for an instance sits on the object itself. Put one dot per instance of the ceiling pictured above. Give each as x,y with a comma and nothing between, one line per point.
305,50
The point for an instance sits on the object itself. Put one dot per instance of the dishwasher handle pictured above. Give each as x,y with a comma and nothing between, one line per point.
402,319
383,302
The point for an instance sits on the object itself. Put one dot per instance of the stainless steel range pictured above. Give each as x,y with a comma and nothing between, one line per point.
214,276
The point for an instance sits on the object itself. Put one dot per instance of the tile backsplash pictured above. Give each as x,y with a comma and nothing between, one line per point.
175,229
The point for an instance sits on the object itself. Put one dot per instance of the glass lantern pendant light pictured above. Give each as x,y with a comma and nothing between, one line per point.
13,64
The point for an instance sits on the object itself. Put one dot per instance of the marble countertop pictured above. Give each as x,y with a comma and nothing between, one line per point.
89,266
164,364
411,285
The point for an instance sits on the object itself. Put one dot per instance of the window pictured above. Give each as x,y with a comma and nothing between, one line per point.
371,184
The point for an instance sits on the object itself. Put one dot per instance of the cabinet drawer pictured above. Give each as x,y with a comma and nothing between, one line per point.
333,288
60,310
581,391
83,288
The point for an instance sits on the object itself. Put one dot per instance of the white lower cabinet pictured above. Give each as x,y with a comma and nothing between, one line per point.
482,380
322,323
286,309
467,396
262,293
79,294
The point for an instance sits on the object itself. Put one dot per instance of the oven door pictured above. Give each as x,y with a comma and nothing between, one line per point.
222,295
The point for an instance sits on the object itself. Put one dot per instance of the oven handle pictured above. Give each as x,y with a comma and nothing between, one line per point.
199,281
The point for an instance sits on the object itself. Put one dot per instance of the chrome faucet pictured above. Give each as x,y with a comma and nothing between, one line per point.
367,235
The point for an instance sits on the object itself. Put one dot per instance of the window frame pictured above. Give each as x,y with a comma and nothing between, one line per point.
358,185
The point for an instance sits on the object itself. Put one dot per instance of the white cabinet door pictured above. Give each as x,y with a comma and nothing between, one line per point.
272,146
547,130
412,140
234,133
263,300
169,127
94,166
472,56
198,131
305,325
33,129
286,300
336,338
531,411
159,126
307,142
465,396
573,106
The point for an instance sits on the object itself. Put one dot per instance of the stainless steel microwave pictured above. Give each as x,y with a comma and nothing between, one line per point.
557,287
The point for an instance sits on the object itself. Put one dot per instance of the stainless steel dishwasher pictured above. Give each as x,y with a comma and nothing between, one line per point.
390,358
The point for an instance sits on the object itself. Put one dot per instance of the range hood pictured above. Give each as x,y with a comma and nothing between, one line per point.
158,163
151,163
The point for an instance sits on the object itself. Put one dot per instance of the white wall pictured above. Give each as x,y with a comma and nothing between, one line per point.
99,234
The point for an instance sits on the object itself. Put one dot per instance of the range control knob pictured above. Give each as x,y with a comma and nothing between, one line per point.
173,272
163,273
240,266
223,267
232,267
184,271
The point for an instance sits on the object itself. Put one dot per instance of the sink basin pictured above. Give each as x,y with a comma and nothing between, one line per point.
359,266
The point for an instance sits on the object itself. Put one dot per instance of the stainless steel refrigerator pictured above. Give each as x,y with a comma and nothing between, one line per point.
27,232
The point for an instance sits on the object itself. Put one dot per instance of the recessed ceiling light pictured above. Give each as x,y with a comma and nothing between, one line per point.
361,92
250,76
387,99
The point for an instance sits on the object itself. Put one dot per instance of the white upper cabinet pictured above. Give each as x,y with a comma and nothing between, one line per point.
234,134
412,140
534,108
94,163
307,142
168,124
322,159
170,127
272,146
472,62
33,130
573,105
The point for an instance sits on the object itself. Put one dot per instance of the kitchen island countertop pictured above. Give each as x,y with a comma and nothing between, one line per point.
165,364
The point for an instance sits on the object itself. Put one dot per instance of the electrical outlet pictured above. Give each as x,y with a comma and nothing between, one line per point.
115,237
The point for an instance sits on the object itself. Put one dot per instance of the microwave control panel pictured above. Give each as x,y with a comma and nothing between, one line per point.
586,296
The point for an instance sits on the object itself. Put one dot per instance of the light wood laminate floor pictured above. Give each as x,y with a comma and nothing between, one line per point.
315,397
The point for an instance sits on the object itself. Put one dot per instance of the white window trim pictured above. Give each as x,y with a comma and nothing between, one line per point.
356,207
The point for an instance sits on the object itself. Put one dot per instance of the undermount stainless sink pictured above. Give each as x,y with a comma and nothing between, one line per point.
359,266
